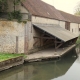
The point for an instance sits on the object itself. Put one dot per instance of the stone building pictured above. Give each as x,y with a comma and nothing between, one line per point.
45,26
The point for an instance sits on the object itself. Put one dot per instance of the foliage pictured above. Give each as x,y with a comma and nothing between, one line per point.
78,40
3,5
15,15
77,10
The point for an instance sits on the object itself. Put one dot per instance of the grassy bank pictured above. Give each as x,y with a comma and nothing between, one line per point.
6,56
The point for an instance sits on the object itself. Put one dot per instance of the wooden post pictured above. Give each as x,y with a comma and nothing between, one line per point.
16,44
26,37
25,45
55,43
40,42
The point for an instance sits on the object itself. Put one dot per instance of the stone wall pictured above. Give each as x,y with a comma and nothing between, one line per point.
8,32
15,37
6,64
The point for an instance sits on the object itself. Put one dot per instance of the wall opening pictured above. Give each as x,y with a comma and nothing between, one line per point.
72,30
67,25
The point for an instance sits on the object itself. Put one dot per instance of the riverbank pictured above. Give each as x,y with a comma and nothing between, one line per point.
10,60
48,54
6,56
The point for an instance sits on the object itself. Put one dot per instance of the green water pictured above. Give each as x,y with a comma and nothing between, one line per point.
66,68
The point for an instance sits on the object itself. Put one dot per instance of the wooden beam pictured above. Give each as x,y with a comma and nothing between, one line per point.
58,41
44,37
42,34
55,43
74,41
35,42
59,45
41,38
46,41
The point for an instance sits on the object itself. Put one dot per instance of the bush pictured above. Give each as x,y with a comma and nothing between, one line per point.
15,15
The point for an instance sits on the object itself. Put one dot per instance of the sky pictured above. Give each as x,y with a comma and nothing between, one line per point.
64,5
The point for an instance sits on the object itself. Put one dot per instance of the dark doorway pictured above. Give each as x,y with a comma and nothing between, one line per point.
67,25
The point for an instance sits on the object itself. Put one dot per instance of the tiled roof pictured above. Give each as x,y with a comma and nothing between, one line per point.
42,9
70,17
57,31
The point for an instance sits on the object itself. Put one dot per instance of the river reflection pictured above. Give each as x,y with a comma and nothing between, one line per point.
73,73
48,70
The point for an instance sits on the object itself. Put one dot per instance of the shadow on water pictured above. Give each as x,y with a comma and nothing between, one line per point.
46,70
73,72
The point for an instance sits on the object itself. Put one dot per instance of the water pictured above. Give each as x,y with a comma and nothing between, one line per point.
66,68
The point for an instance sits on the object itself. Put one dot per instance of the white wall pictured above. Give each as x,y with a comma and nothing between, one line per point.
74,28
62,24
47,21
44,20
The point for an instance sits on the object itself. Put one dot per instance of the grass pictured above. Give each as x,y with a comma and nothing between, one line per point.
6,56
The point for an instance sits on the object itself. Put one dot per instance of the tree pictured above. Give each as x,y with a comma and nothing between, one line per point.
3,5
77,10
15,14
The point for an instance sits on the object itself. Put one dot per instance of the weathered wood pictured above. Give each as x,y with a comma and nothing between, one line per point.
46,41
74,40
45,37
58,41
25,45
55,43
36,42
59,45
16,44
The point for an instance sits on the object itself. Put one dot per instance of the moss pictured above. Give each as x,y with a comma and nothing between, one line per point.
6,56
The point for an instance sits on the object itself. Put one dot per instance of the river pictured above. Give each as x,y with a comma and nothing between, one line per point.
65,68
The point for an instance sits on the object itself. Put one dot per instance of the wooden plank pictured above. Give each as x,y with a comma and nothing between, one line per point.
56,31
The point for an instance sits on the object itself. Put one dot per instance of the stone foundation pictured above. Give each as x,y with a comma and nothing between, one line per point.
11,63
